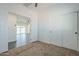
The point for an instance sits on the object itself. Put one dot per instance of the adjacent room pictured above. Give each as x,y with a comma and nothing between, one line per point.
39,29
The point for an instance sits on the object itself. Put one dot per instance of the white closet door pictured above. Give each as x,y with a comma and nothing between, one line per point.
69,33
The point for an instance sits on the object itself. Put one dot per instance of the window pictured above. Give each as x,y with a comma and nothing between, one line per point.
21,35
20,29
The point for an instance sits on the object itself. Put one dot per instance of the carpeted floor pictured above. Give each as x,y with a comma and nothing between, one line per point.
40,49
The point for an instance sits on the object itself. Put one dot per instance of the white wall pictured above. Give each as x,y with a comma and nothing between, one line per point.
20,10
49,28
5,36
11,27
51,23
3,30
24,11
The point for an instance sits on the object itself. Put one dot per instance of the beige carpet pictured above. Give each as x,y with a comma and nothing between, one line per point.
40,49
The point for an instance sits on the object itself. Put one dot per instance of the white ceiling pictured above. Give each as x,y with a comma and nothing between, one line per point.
40,6
44,6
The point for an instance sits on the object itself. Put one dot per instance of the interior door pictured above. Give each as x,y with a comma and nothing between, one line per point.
69,32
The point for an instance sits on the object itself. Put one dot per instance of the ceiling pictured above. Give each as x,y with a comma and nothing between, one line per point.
40,6
44,6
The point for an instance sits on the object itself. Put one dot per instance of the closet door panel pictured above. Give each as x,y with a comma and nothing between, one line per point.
69,33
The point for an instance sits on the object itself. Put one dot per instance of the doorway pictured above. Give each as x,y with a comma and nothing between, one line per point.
22,31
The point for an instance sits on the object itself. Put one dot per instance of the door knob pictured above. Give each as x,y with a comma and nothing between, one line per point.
76,32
